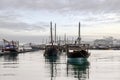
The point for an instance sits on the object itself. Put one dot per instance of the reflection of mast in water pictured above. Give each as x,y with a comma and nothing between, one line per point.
53,70
80,71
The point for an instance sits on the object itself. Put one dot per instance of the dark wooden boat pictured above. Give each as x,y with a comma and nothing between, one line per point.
78,50
52,48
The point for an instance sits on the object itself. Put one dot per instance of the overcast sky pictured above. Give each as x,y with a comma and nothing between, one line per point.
27,19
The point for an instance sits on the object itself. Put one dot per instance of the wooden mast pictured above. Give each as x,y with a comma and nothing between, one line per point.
51,33
79,35
55,32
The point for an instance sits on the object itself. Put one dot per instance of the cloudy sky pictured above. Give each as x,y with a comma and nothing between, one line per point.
27,19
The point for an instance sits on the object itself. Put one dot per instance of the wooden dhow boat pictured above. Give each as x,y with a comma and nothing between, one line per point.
52,48
78,50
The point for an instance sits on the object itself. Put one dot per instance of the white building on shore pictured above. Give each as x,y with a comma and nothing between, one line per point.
104,43
116,43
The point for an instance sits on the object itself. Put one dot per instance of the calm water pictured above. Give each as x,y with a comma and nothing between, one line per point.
101,65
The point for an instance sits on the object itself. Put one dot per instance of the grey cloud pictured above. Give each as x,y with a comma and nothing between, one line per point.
18,26
12,20
87,8
31,4
64,5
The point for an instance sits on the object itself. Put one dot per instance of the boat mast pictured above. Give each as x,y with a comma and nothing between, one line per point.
79,35
51,33
55,32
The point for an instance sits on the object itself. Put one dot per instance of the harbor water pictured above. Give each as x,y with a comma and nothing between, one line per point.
101,65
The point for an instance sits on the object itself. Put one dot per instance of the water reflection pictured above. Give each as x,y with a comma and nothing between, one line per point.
10,61
12,57
103,64
50,59
79,70
52,66
9,65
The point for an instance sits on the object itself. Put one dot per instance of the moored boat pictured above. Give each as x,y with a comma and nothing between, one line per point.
10,47
75,51
78,50
52,48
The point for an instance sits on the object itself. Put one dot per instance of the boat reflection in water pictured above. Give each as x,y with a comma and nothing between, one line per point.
9,65
52,64
11,57
78,69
